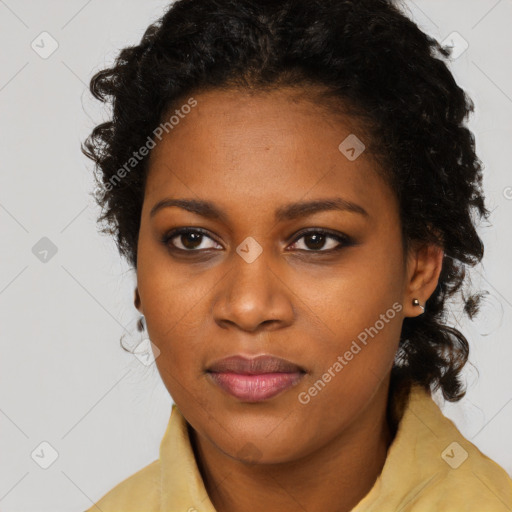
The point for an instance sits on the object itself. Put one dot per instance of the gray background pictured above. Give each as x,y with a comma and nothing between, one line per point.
63,377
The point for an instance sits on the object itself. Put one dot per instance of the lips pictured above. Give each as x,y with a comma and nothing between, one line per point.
255,379
254,366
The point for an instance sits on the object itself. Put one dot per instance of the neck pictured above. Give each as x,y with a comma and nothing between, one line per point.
335,477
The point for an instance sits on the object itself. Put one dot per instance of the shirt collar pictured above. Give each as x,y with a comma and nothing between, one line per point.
183,487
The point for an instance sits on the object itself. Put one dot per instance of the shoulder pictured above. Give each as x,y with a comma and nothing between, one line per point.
461,476
466,479
432,467
140,491
458,475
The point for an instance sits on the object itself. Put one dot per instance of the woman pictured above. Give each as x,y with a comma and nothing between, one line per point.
296,188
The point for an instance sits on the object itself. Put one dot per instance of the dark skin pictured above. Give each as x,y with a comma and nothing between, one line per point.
250,154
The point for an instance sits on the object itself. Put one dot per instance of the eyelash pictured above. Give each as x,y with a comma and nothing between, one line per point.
343,239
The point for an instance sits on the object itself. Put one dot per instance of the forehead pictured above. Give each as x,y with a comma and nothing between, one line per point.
236,147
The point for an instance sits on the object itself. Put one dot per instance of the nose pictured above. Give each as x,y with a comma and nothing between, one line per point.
253,296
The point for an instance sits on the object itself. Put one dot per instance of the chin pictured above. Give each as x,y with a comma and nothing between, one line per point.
262,451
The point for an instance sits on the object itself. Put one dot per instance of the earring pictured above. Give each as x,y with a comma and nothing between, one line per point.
136,341
416,302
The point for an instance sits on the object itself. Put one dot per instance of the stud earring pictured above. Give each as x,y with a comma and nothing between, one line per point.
416,302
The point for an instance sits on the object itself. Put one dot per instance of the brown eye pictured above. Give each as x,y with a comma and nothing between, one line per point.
321,241
315,241
191,240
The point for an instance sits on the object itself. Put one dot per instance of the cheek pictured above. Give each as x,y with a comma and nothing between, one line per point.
174,307
354,313
170,292
351,296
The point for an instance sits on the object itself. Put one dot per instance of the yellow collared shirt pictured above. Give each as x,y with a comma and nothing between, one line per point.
430,466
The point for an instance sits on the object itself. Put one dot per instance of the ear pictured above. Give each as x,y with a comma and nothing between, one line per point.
424,264
137,302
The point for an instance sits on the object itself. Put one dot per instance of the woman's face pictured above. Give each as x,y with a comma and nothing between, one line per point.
253,283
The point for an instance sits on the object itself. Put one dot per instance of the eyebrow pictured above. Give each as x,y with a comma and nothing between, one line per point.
286,212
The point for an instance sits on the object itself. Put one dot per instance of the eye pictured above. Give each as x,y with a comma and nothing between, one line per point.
196,240
188,239
314,240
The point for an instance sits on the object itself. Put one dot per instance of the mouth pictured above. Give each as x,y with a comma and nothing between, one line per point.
255,379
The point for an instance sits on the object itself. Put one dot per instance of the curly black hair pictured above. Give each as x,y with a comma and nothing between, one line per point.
370,60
